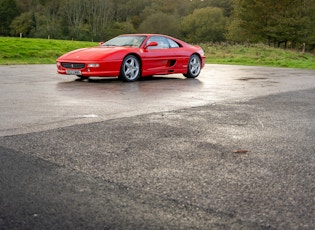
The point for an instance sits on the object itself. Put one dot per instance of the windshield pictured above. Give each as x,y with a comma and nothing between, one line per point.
134,41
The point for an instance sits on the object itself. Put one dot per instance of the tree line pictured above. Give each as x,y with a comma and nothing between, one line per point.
285,22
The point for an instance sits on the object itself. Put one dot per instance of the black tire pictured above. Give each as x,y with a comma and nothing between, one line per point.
194,67
82,78
130,69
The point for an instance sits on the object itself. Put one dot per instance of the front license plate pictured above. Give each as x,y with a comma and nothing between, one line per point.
73,72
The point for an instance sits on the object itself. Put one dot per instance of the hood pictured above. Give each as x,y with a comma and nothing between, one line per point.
93,53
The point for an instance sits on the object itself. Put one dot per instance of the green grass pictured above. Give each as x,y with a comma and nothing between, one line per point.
44,51
36,51
258,55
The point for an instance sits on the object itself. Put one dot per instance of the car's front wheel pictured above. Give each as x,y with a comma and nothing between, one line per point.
82,78
194,66
130,69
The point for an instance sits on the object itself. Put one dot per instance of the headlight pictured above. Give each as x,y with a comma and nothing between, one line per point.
58,65
93,65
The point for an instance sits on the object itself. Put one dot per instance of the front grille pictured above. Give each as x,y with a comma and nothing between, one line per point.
73,65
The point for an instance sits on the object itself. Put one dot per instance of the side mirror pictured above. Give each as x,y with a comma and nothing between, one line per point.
151,44
101,43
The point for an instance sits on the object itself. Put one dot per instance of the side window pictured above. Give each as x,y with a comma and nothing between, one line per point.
172,43
162,42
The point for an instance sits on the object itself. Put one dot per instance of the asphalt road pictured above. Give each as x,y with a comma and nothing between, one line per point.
232,149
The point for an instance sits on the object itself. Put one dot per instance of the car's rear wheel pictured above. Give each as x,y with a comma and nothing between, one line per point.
194,67
130,69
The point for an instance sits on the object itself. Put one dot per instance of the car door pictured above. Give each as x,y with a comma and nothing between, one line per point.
158,59
181,56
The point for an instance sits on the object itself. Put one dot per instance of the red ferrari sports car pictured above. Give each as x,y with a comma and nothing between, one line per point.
131,56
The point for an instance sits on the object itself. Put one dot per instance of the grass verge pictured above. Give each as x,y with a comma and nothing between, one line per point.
258,55
36,51
44,51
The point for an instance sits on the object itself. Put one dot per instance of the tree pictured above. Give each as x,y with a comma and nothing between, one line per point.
311,36
25,24
74,13
277,22
27,5
8,11
124,10
99,14
203,25
161,23
226,5
118,28
52,20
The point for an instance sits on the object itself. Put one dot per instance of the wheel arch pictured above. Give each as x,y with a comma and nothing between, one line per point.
137,56
198,54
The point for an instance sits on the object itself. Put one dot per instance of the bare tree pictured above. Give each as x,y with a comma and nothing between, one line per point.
99,15
74,12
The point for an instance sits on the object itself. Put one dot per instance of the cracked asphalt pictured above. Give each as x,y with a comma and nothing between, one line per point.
232,149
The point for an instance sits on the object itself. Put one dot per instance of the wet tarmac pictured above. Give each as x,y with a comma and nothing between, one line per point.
232,149
35,98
